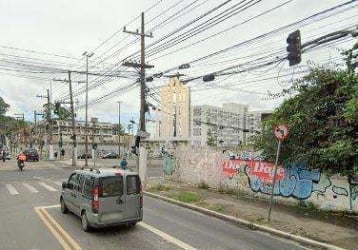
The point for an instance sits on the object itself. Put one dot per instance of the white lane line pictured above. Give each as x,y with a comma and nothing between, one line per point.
31,188
58,183
11,189
50,206
166,236
48,187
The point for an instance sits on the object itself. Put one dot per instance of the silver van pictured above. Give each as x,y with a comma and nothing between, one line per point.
103,197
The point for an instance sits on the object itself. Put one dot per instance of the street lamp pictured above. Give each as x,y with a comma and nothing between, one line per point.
87,55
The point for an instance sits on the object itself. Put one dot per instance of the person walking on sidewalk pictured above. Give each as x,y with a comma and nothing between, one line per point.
3,155
123,164
62,154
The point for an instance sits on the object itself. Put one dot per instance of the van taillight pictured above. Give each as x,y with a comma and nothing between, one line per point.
95,199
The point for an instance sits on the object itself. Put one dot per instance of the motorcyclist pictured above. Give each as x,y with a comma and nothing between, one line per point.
21,158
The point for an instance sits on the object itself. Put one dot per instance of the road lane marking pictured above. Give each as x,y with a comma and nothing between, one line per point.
61,235
48,187
65,236
166,236
74,244
11,189
52,229
51,206
58,183
31,188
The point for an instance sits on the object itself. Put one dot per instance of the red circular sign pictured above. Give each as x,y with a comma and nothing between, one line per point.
281,132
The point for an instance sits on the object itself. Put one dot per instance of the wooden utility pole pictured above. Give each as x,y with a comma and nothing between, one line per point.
142,67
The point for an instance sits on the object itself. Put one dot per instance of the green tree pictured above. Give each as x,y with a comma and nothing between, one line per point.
323,120
4,107
63,113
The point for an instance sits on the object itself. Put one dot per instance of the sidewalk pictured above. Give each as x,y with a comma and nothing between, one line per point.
12,165
334,229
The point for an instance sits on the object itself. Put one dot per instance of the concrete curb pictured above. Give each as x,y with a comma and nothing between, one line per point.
248,224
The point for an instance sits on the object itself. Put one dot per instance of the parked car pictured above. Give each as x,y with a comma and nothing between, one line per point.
103,197
83,156
111,155
31,154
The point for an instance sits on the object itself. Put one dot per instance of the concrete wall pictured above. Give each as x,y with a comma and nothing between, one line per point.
294,182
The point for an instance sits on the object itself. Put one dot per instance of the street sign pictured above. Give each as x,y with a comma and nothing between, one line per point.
281,132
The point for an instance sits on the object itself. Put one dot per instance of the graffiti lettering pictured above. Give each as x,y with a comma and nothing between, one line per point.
339,190
354,193
295,180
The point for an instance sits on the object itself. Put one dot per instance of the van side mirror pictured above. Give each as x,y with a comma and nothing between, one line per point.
64,185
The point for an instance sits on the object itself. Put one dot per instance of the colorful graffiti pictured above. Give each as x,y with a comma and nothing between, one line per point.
295,180
168,164
354,192
339,190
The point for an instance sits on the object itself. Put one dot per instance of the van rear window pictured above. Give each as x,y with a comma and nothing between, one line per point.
133,184
112,186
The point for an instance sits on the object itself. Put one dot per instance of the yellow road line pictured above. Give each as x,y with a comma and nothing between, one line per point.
52,229
167,237
74,244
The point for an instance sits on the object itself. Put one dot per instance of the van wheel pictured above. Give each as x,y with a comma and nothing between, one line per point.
64,209
84,222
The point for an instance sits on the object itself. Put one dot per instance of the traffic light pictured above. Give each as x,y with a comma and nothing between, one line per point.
294,48
134,150
209,78
57,108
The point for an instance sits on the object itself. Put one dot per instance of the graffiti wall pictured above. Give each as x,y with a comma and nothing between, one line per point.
294,181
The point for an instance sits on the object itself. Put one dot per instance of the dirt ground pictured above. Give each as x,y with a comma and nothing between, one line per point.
338,229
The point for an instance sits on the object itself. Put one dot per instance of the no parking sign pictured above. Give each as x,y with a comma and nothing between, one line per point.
281,132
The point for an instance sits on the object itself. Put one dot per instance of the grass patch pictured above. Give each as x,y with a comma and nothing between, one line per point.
259,220
202,204
309,205
217,208
159,187
187,197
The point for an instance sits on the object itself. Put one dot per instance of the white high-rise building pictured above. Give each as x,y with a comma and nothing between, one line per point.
174,121
228,126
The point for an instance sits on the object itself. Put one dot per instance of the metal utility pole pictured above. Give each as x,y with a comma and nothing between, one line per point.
22,117
48,120
142,67
86,119
119,128
74,143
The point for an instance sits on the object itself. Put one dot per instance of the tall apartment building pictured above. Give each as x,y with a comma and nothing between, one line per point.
174,119
229,126
224,124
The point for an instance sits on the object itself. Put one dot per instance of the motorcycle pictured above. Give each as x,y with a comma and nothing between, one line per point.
21,164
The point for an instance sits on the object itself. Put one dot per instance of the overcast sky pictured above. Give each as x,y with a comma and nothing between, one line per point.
63,30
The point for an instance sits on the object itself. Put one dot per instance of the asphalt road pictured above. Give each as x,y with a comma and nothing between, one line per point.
29,201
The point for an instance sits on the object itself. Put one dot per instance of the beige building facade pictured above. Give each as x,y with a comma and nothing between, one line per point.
174,121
